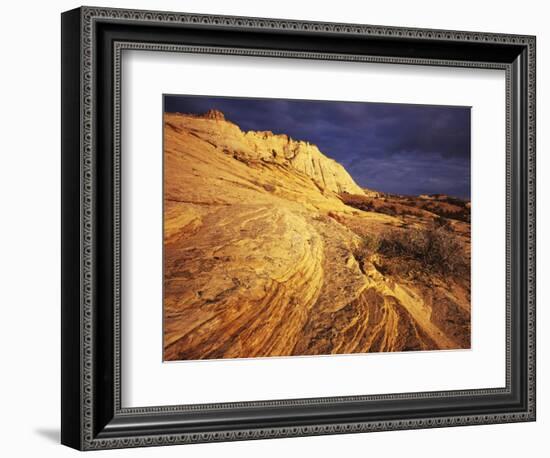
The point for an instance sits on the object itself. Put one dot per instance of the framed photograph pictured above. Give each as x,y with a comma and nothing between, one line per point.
276,228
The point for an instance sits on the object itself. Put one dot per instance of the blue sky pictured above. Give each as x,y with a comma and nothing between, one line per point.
397,148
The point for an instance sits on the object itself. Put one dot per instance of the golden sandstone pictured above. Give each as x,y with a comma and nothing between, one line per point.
272,249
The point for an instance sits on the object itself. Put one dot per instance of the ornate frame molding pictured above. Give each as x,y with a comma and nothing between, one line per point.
89,17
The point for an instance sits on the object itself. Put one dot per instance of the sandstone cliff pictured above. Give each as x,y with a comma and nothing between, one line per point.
270,148
271,249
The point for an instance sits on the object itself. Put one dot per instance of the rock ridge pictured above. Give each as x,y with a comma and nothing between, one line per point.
269,147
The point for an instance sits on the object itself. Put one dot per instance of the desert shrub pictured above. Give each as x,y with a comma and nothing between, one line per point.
407,212
435,248
441,221
357,201
460,214
456,201
368,245
388,210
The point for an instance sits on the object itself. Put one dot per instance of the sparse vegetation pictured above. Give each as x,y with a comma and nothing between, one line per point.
368,246
381,205
435,248
357,201
463,214
442,206
441,221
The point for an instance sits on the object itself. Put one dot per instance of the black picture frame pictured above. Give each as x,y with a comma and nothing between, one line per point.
92,42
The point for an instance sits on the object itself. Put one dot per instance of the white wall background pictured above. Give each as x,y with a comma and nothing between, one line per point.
30,215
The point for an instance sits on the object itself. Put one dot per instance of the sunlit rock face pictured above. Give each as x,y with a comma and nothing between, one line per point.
272,249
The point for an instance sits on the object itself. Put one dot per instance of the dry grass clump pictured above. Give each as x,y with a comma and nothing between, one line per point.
435,248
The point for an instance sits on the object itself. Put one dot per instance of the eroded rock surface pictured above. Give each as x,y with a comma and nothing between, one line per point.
264,258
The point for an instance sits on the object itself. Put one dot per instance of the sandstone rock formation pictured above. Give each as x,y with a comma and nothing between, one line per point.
263,257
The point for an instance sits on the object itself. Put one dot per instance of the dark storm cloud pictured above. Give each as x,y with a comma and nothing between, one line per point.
398,148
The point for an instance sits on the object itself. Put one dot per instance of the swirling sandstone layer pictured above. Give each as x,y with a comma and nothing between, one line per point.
261,254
